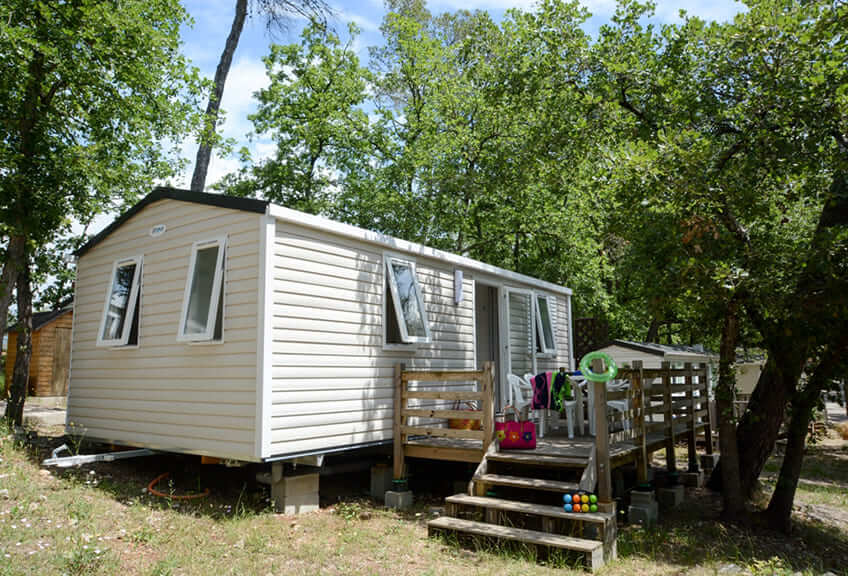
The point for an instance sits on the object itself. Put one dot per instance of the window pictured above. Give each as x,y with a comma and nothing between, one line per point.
404,301
545,340
119,324
203,301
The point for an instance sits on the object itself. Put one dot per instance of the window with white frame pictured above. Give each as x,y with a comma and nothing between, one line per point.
545,340
405,316
119,323
203,301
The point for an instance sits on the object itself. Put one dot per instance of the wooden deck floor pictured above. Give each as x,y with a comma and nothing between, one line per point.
555,443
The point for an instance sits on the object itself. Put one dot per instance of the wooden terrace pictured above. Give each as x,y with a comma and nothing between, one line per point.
517,494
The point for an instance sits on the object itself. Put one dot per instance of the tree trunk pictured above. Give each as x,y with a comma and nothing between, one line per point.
204,151
20,375
779,512
732,497
9,278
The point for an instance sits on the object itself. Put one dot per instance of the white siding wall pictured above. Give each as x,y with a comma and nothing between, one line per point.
164,394
521,346
521,339
332,380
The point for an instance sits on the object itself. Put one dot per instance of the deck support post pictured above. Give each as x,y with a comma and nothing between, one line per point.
399,465
668,419
487,404
708,426
605,502
692,436
638,409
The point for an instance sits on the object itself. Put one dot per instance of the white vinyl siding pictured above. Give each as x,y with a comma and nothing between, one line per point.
332,381
164,394
521,348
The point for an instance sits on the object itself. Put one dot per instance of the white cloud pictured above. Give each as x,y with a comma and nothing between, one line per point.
246,77
363,22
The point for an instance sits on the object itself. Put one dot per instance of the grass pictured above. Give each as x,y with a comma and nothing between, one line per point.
99,520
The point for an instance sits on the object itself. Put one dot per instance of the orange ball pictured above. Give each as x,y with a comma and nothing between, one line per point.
577,508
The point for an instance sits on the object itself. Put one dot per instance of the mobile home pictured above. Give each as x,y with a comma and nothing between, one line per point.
239,329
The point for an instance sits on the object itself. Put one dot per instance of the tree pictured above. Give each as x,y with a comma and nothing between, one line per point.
89,95
275,12
311,109
736,139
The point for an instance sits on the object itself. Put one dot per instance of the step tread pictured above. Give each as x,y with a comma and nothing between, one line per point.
527,508
538,459
518,534
522,482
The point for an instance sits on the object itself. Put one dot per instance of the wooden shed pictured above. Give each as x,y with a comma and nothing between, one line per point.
51,349
236,328
652,355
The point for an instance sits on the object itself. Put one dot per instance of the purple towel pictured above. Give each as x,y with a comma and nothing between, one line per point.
542,391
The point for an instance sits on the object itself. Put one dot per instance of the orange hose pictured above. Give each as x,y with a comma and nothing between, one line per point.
155,481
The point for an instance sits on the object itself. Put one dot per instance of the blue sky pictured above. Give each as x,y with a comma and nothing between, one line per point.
212,18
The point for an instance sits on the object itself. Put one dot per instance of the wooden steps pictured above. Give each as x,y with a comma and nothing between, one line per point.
526,508
539,460
592,550
518,517
527,483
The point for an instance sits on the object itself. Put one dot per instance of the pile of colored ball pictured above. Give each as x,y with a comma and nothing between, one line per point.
580,502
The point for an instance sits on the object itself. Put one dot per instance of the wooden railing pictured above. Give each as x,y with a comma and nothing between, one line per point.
437,416
669,401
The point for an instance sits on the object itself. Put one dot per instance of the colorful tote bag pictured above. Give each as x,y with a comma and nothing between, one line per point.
515,434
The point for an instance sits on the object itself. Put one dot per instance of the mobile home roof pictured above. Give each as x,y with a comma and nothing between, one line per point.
318,223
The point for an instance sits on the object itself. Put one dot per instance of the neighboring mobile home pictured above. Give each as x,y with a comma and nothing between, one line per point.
51,349
239,329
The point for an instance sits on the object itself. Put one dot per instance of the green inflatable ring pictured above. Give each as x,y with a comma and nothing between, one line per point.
586,367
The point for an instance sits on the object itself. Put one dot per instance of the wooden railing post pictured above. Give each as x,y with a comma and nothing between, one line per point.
399,471
637,383
692,436
488,404
602,440
668,419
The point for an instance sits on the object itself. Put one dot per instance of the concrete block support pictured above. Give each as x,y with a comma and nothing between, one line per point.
643,508
693,479
295,494
399,500
671,496
381,480
708,462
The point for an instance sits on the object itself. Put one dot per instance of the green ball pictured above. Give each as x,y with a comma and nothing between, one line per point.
593,507
593,499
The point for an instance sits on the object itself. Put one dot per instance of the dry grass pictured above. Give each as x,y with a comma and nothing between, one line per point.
99,521
842,429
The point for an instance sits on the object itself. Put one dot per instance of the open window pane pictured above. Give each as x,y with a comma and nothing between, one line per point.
406,300
203,302
200,294
120,313
547,343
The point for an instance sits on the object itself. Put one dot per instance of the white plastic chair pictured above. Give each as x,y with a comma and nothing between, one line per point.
520,392
539,414
618,405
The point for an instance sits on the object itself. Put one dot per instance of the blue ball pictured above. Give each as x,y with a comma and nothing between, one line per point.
566,498
567,507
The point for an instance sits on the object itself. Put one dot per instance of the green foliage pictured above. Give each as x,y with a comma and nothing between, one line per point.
89,95
658,170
